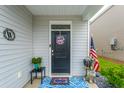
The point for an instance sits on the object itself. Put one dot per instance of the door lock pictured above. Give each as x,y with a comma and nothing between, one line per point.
52,51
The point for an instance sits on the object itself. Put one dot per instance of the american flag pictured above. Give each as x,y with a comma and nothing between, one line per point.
94,56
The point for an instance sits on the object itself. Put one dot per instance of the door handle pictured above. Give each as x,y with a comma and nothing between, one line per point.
52,50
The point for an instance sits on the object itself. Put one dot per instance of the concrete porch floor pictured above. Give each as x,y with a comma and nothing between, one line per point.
36,84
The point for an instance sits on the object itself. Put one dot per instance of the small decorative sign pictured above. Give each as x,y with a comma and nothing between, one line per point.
9,34
60,40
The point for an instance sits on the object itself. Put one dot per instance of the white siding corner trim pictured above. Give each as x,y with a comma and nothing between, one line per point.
89,37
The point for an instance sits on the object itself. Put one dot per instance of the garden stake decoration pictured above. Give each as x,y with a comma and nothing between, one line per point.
88,63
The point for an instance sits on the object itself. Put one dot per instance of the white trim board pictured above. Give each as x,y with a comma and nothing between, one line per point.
89,35
104,9
50,30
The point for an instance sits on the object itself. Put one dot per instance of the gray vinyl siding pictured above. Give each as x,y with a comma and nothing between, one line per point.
79,40
15,56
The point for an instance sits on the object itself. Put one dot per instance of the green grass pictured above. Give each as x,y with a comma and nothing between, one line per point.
113,72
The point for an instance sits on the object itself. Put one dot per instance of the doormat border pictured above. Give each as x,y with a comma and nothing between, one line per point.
54,81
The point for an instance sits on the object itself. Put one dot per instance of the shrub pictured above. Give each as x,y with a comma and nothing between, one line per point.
113,72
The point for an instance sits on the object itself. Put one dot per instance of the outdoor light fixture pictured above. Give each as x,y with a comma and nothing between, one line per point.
113,43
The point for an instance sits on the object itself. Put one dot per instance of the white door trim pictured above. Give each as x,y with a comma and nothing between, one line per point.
49,66
89,37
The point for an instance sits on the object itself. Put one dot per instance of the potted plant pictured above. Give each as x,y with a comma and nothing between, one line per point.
39,60
36,62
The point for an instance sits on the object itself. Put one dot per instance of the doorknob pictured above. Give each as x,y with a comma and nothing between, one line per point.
52,54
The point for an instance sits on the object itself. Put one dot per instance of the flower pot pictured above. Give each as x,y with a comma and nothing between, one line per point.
36,66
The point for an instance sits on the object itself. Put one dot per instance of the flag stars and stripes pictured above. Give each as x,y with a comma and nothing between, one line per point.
94,56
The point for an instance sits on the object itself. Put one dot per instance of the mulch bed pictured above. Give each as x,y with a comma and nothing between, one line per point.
113,60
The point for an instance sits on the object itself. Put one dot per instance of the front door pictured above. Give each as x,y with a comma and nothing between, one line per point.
60,52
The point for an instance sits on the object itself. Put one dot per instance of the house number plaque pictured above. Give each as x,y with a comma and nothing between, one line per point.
9,34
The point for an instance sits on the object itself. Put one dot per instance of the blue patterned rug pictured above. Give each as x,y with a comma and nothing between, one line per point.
74,82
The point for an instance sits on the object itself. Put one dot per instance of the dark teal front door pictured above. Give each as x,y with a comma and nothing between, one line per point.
60,53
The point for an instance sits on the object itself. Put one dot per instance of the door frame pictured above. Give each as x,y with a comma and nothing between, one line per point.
49,66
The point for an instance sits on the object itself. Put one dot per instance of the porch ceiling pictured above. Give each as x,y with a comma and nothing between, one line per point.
87,11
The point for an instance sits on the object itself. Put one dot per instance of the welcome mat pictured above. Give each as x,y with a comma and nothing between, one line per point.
59,81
